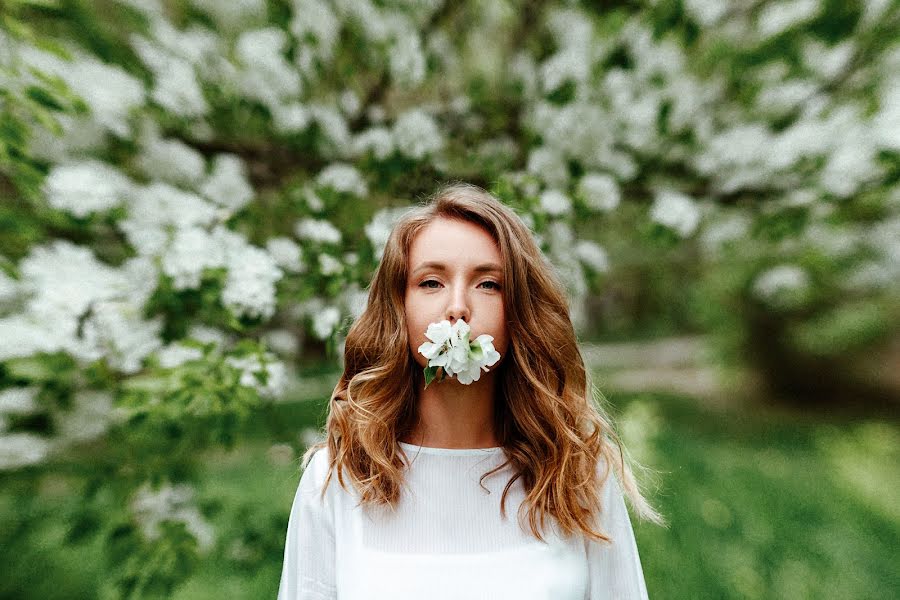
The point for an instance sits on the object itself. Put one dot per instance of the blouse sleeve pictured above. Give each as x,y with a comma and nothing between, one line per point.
308,572
614,571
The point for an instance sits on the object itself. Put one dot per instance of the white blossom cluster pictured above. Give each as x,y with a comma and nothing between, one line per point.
782,285
90,415
150,506
20,449
273,370
76,304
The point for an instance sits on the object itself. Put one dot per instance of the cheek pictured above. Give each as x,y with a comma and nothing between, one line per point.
415,328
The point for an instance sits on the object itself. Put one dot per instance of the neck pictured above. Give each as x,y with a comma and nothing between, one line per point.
453,415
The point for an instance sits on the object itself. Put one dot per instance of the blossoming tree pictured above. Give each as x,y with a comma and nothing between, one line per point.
195,194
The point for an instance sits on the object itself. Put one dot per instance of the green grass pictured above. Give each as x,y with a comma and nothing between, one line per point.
759,507
763,508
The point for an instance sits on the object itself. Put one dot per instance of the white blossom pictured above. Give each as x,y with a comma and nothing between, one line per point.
274,369
315,24
452,351
286,253
599,191
886,122
377,140
250,284
313,201
154,208
675,211
325,321
90,416
81,135
61,277
65,284
192,250
178,91
707,12
267,76
22,449
318,230
555,202
785,95
343,177
25,335
117,332
86,187
407,60
376,113
579,130
176,354
333,128
227,185
329,265
781,285
777,17
150,506
171,160
728,228
292,117
110,92
417,135
523,69
200,47
852,163
176,87
349,102
570,64
570,27
549,165
827,62
593,255
873,10
282,341
18,400
208,335
870,275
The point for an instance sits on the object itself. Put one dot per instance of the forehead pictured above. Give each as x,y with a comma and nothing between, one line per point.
453,241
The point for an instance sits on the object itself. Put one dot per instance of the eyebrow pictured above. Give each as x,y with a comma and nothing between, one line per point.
439,266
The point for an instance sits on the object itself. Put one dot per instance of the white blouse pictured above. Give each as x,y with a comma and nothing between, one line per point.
447,540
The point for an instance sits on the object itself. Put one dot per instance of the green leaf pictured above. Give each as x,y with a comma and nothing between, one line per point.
43,97
429,374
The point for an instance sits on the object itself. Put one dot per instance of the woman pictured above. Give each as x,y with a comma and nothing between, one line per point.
436,471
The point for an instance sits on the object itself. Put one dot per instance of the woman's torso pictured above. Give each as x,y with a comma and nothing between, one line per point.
447,538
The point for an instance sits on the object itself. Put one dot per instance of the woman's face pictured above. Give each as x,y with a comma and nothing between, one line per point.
455,271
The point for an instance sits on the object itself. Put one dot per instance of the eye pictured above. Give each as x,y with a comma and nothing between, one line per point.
427,282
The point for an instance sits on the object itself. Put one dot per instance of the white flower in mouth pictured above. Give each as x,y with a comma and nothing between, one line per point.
451,351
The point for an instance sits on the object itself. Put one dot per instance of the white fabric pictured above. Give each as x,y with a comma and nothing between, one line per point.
447,539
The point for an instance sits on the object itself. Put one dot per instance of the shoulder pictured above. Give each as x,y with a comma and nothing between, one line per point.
608,480
314,474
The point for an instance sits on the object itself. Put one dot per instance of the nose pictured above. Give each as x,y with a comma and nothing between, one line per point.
458,308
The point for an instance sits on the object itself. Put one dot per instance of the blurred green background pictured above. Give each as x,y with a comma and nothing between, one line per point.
194,195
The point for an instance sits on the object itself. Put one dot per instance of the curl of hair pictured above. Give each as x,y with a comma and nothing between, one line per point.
556,438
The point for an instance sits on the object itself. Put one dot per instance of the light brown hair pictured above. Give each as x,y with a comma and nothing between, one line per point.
555,436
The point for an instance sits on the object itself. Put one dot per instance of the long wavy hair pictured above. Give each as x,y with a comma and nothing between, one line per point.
555,436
